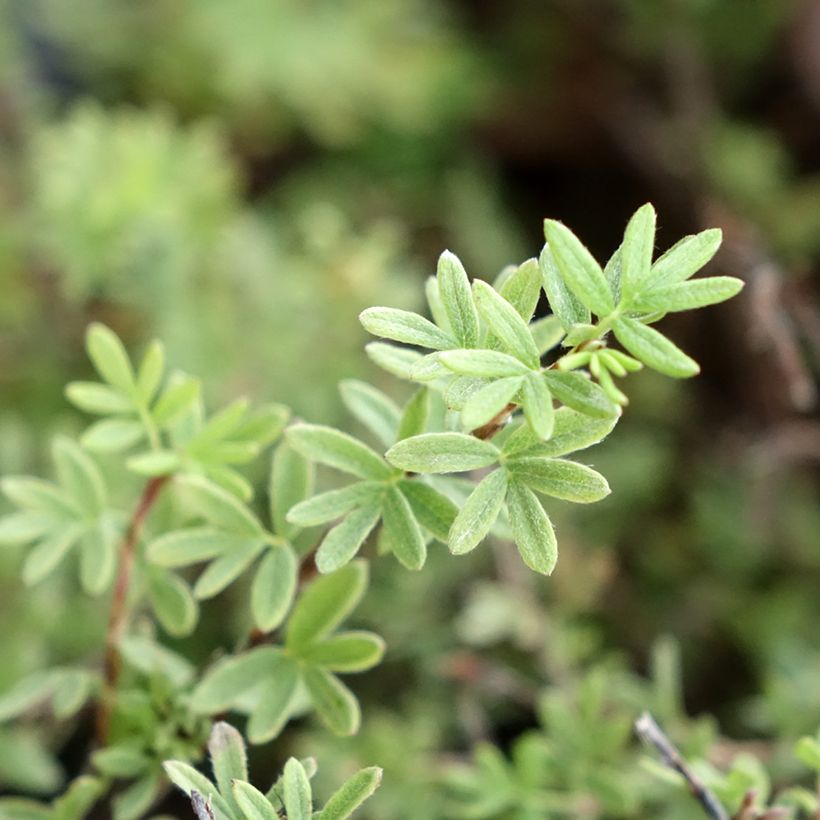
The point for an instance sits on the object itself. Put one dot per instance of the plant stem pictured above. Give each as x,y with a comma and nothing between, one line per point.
118,616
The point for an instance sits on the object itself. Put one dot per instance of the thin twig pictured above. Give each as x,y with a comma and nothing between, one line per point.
652,734
202,809
118,616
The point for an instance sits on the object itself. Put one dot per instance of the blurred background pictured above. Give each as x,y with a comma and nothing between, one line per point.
241,179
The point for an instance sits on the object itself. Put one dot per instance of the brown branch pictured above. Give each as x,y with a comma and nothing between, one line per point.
650,733
202,809
118,617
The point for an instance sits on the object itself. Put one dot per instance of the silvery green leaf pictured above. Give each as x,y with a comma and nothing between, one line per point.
402,531
100,399
571,431
219,507
324,604
547,333
396,360
428,368
150,658
346,652
43,558
636,251
229,480
276,705
489,401
537,403
563,302
291,481
172,602
654,349
559,478
695,293
120,760
685,258
372,408
522,288
506,323
80,476
109,358
73,689
486,364
41,496
189,779
225,569
23,527
262,426
460,390
229,760
434,511
442,453
334,503
336,449
224,683
580,271
612,273
176,400
335,704
154,463
135,799
580,393
98,558
352,794
532,529
273,588
437,311
414,415
457,299
252,803
344,540
219,426
478,514
28,692
112,435
296,791
404,326
150,372
192,545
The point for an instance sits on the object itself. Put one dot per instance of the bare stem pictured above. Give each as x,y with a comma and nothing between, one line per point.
118,615
652,734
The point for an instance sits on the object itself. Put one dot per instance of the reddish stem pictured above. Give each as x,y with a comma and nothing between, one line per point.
118,617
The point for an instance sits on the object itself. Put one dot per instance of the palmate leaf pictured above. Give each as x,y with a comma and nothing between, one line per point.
559,478
457,300
654,349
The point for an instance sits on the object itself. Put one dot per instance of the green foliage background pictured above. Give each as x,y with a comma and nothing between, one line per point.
242,179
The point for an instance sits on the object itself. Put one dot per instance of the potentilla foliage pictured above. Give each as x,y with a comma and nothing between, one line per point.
502,403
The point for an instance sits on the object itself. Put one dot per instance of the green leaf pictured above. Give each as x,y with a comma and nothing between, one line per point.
80,476
696,293
121,760
352,794
92,397
404,326
325,603
571,431
807,750
547,333
334,702
223,684
685,258
580,393
154,463
263,426
478,513
636,251
150,373
252,803
582,274
506,323
219,507
188,779
39,495
414,416
291,481
222,572
112,435
45,557
26,693
563,302
396,360
172,602
431,509
654,349
343,541
137,798
559,478
229,760
231,481
612,272
334,503
98,558
486,364
532,529
176,400
489,401
79,798
402,530
442,453
72,691
276,704
273,588
437,311
181,548
460,390
538,408
336,449
372,408
23,527
152,659
297,795
347,652
522,288
457,300
109,358
428,369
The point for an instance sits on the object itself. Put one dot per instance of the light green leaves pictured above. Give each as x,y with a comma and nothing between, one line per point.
352,794
685,258
636,252
401,530
110,359
457,300
442,453
403,326
696,293
532,529
654,349
326,445
478,513
506,323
